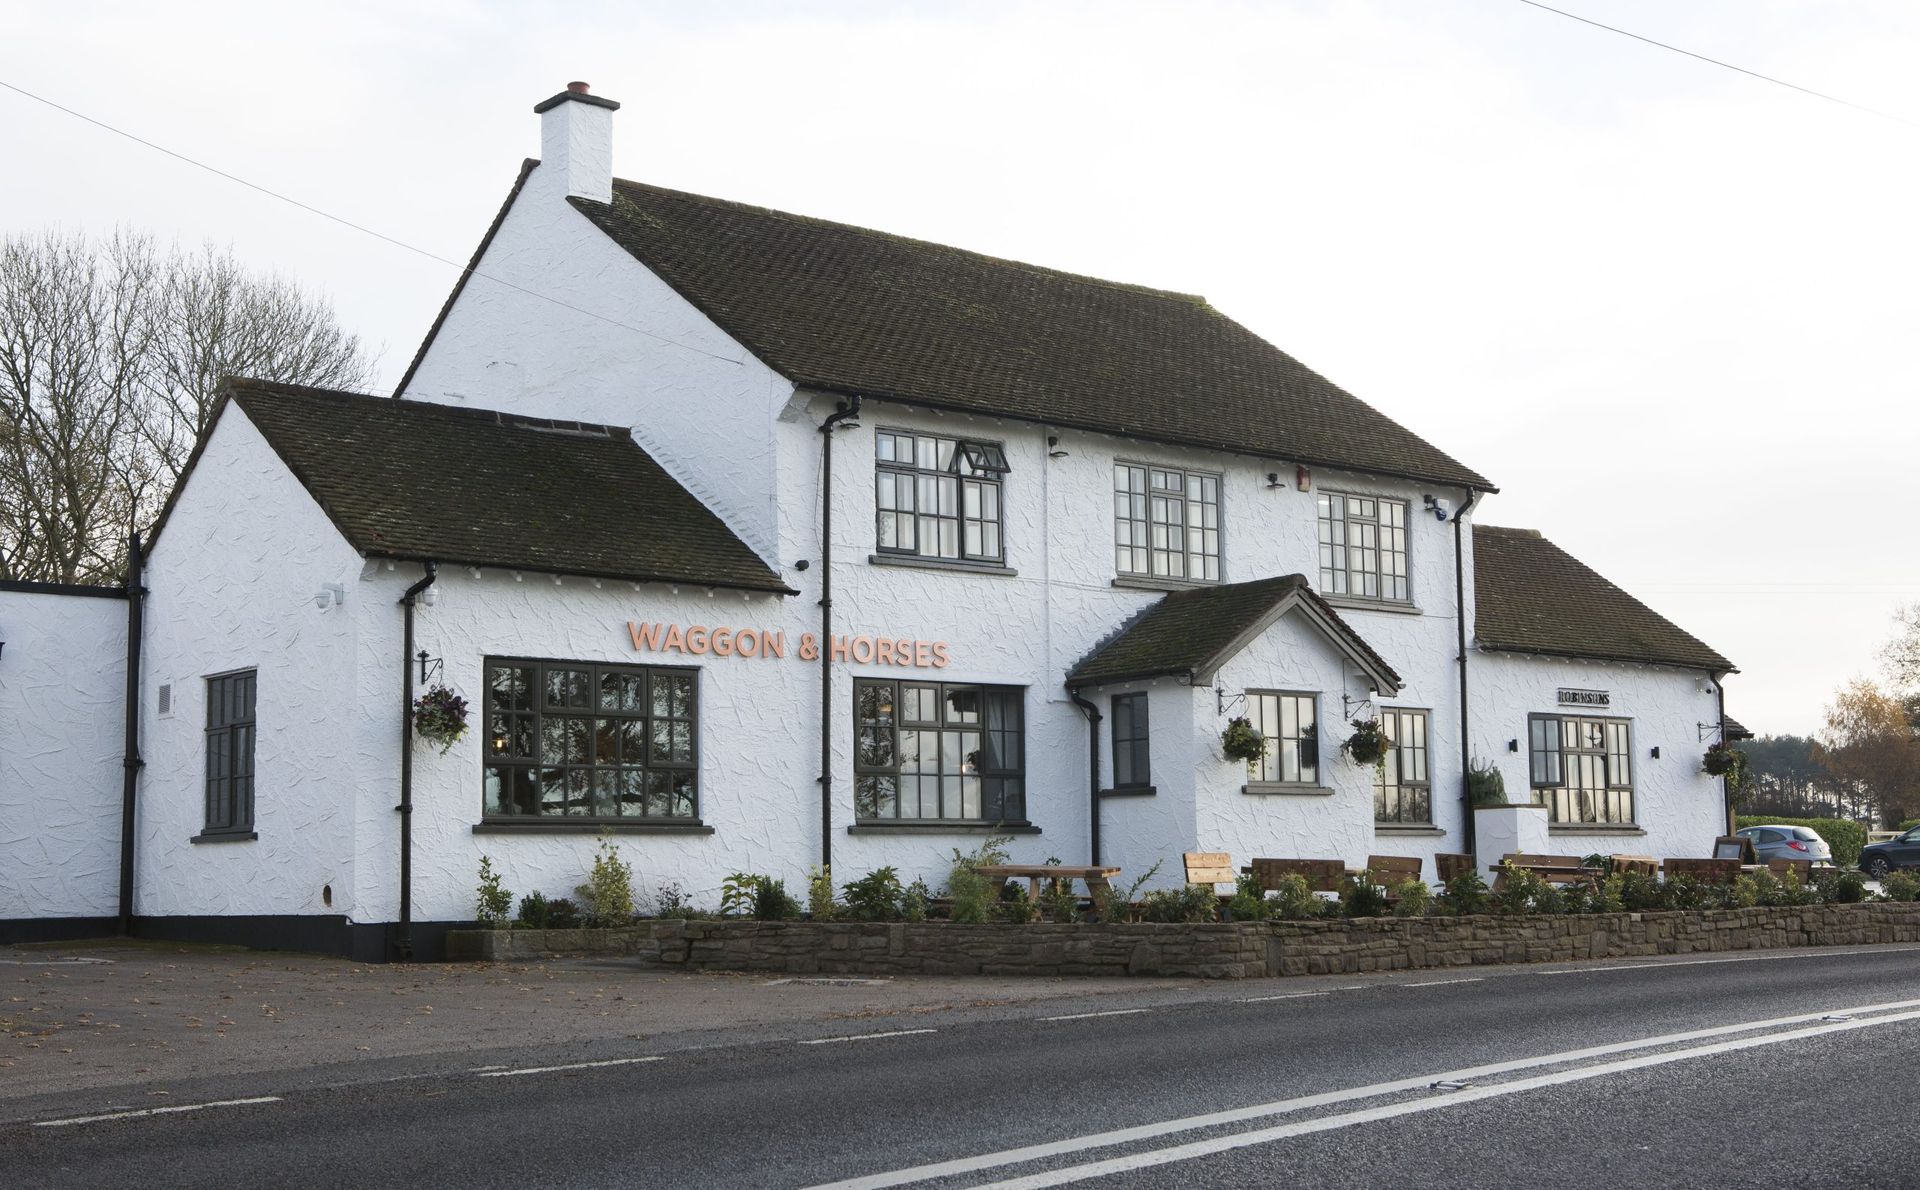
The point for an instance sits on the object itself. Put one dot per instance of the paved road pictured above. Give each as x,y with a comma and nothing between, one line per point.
1702,1072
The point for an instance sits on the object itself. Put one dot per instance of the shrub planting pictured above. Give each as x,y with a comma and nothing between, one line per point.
492,901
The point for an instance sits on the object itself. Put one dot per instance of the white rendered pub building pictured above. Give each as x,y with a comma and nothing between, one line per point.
769,542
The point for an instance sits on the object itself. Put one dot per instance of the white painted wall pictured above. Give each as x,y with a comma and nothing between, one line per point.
62,687
1680,809
560,322
231,582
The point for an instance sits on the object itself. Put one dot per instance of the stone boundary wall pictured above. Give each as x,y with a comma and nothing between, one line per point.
1235,950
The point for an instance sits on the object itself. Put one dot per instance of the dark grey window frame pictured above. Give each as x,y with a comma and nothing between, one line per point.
231,734
976,461
1134,748
880,738
535,717
1401,788
1338,580
1304,743
1145,523
1548,770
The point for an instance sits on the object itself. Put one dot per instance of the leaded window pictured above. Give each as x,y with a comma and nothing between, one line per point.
1582,768
1363,547
1166,523
230,734
1130,760
938,497
1402,791
934,752
1292,733
573,739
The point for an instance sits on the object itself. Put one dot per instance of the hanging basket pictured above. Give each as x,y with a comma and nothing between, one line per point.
1725,760
1242,741
440,718
1368,744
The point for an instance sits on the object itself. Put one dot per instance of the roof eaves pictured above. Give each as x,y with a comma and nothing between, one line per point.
1725,667
774,587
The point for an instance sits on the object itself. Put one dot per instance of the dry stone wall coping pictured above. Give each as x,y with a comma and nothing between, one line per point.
1215,950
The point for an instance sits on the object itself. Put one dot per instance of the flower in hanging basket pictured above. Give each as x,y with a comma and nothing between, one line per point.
1242,741
1368,744
440,717
1725,760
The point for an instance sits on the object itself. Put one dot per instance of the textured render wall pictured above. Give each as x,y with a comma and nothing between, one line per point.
62,690
231,583
1138,832
756,747
1679,808
624,350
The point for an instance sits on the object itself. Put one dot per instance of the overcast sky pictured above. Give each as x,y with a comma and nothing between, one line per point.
1668,308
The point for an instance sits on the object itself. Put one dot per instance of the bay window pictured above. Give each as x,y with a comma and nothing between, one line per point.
1402,791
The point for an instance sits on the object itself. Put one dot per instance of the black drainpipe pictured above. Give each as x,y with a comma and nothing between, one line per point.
1726,790
1460,625
403,945
130,763
848,411
1093,769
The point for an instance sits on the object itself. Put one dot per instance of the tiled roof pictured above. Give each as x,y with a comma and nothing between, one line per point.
854,311
419,481
1192,633
1531,596
1733,729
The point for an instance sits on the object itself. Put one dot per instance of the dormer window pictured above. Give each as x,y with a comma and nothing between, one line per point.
938,497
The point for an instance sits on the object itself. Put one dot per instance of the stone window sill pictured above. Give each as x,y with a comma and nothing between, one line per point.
1283,789
587,826
225,837
1129,791
1408,828
1139,582
1594,828
943,828
960,565
1349,603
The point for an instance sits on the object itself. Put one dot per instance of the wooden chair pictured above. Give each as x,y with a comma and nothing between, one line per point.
1323,875
1706,871
1780,867
1389,870
1646,865
1449,865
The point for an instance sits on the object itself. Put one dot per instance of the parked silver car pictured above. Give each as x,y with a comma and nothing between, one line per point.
1787,842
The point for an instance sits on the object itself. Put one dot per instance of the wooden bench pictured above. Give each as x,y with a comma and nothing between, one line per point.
1780,867
1322,875
1706,871
1389,870
1209,868
1448,865
1554,869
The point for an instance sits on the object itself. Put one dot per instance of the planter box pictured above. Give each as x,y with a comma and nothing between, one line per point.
1224,950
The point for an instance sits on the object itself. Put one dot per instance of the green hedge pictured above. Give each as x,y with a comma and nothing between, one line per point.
1909,824
1844,835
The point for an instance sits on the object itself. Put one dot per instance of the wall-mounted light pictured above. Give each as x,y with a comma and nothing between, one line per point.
1656,751
330,595
1513,745
1273,479
1054,449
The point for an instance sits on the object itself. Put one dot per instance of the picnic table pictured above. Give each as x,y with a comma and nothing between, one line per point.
1094,877
1554,869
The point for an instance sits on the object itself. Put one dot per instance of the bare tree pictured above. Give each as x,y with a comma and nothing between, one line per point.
110,360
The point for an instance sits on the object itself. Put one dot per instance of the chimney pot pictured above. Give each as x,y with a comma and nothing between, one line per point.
577,88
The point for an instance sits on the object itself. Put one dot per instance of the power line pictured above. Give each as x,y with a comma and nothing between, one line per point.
465,270
1872,111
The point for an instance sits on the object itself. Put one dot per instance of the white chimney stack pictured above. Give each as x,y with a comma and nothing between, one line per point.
576,141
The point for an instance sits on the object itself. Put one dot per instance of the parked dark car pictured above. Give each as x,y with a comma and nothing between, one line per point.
1877,859
1787,842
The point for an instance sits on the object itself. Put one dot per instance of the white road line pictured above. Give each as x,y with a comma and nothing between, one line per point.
497,1073
1204,1148
1810,953
867,1036
173,1109
1119,1136
1087,1016
1439,983
1287,996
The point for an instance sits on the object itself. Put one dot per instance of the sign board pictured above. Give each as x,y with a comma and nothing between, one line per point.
1585,698
699,640
1734,847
